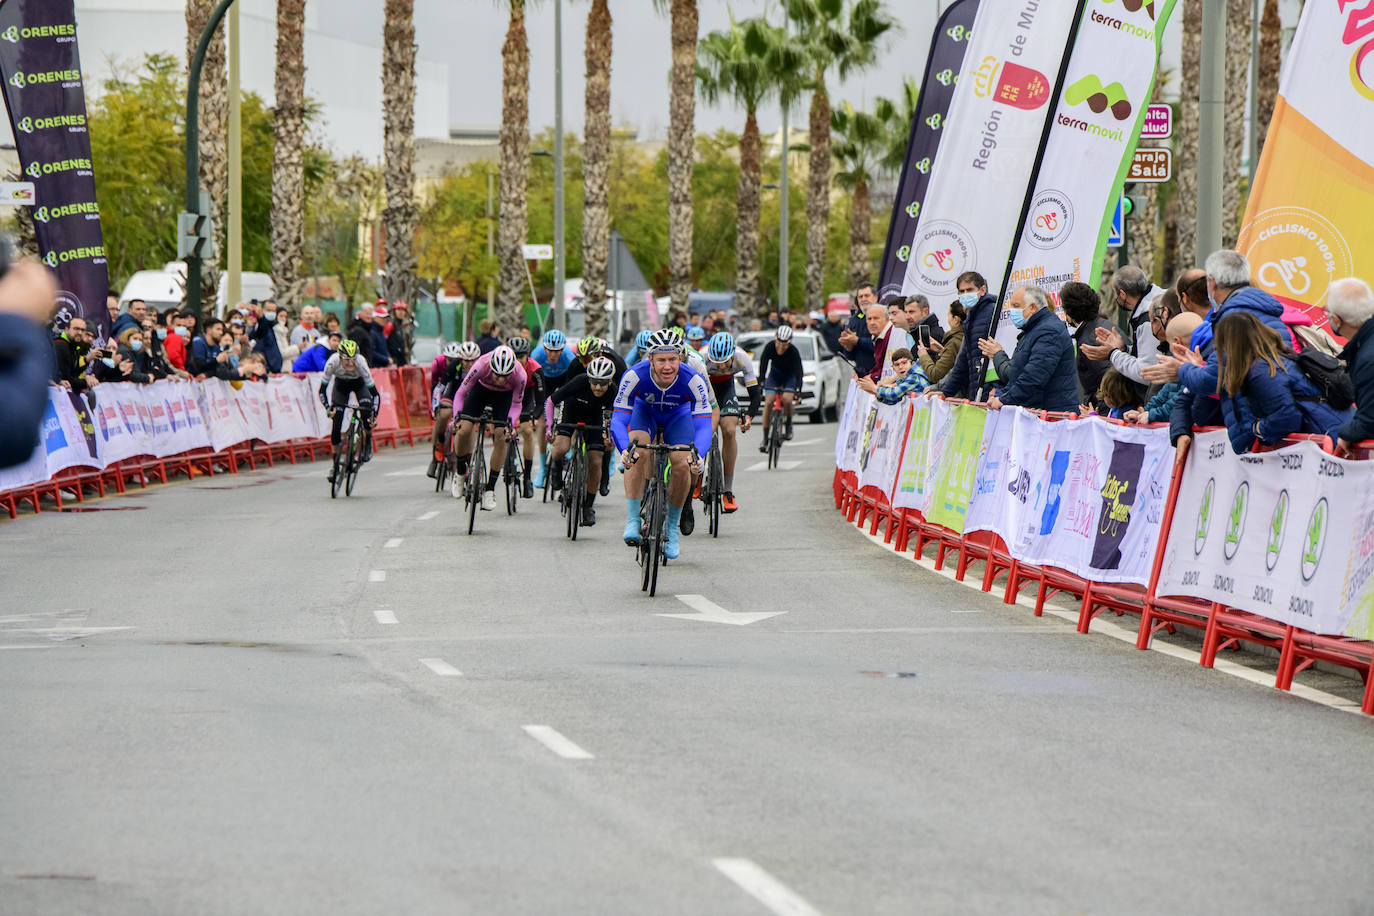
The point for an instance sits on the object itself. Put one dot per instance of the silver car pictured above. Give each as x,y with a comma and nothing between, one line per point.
824,377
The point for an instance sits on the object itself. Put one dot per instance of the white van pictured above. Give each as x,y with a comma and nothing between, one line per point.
161,289
252,285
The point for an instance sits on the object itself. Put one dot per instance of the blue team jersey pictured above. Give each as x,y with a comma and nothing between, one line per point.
553,370
688,396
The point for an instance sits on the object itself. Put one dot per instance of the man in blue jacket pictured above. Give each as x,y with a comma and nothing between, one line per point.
1042,374
1350,309
980,304
313,360
263,333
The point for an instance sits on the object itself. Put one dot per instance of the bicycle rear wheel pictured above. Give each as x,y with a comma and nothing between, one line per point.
576,486
646,554
775,437
337,482
513,472
475,482
355,456
656,522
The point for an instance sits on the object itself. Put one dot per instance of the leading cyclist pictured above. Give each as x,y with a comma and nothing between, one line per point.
496,381
348,373
661,397
723,362
781,369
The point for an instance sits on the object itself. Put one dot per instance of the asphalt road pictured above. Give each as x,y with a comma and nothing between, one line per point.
207,708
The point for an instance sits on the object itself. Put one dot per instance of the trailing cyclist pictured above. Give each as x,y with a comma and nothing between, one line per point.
531,408
640,351
780,366
694,361
347,370
555,359
496,381
661,398
696,337
724,361
585,400
447,373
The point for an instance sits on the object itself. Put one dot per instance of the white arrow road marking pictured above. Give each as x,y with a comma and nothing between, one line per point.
377,575
385,616
555,742
415,472
782,465
392,543
764,888
441,667
710,612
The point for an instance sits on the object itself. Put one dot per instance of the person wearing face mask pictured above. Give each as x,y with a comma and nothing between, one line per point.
172,344
978,305
313,360
264,335
1041,375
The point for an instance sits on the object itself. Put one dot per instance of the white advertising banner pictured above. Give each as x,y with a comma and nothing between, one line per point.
884,434
996,120
1288,535
68,436
850,439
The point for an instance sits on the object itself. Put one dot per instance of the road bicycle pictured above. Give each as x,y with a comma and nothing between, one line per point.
653,512
446,467
574,486
348,457
474,483
713,486
514,472
776,433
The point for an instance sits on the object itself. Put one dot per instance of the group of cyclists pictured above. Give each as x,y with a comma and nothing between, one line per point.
675,387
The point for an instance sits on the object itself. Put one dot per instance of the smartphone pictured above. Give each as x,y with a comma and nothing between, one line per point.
923,335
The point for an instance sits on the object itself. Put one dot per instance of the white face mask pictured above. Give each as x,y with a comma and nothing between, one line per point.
270,316
183,332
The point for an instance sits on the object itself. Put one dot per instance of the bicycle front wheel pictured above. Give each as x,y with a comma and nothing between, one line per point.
576,486
337,483
355,457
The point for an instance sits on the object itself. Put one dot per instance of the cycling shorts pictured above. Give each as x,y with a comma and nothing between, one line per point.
343,387
781,381
483,397
594,436
450,391
676,428
727,397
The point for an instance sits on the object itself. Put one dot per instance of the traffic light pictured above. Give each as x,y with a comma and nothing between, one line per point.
1127,206
195,235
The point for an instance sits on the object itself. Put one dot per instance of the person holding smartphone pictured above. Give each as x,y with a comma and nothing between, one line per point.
936,357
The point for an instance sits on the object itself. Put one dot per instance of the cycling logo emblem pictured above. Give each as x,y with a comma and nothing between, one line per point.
1204,517
1355,34
943,251
1050,220
1295,253
11,34
1315,541
1277,522
40,214
1098,97
1235,527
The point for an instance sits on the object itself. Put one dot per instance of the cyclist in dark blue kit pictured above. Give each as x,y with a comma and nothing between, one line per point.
780,367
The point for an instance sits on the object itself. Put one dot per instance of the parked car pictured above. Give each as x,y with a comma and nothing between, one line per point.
824,377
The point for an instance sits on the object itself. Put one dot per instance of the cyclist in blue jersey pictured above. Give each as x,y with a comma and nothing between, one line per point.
657,397
640,351
555,359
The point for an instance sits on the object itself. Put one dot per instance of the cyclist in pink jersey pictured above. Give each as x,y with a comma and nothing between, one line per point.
495,381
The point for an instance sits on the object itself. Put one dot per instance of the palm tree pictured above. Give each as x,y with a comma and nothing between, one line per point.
214,131
288,170
1267,90
596,161
681,146
401,216
840,36
899,127
862,140
747,64
515,168
1237,79
1185,193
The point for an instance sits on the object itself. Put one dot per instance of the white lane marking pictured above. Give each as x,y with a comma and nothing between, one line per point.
798,442
377,575
782,466
764,888
710,612
1107,628
427,516
385,616
25,647
415,472
393,543
441,667
555,742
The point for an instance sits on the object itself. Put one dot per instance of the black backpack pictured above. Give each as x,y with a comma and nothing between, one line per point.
1330,376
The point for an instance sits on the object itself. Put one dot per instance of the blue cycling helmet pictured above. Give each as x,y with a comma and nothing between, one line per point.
696,332
642,340
722,347
554,340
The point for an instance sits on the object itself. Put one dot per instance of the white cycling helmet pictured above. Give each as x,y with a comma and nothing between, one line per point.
664,341
784,332
601,369
453,350
469,350
503,361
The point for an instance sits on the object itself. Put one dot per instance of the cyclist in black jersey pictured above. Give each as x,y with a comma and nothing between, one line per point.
781,369
586,399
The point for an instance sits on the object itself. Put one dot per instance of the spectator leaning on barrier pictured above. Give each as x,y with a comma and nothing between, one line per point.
1041,374
1349,309
1159,408
173,345
137,311
313,360
209,355
306,334
908,379
946,348
72,348
282,329
1135,295
978,305
1083,306
1264,395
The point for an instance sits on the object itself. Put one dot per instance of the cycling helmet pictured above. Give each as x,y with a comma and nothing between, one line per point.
453,350
348,349
588,346
468,350
642,340
502,361
784,332
696,332
664,341
554,340
722,348
601,369
520,345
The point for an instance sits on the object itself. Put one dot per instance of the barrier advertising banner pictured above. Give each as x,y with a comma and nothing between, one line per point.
957,467
1091,141
884,435
943,64
47,107
996,120
849,439
1307,220
1259,533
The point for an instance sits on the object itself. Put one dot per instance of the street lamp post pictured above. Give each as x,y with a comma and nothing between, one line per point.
559,261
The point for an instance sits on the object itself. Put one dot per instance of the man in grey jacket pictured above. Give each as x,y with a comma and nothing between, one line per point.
1134,293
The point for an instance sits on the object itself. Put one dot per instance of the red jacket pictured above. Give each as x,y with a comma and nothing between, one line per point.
176,351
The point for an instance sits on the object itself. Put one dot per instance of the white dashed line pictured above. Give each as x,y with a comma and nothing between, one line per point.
427,516
441,667
385,616
782,466
764,888
393,543
555,742
377,575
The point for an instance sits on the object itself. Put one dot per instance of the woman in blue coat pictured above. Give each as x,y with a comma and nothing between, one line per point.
1264,395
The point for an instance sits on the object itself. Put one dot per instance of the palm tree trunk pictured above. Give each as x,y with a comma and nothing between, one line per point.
860,228
288,171
1140,225
681,151
515,169
747,208
818,197
1268,74
400,218
1186,145
1237,79
596,160
214,133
